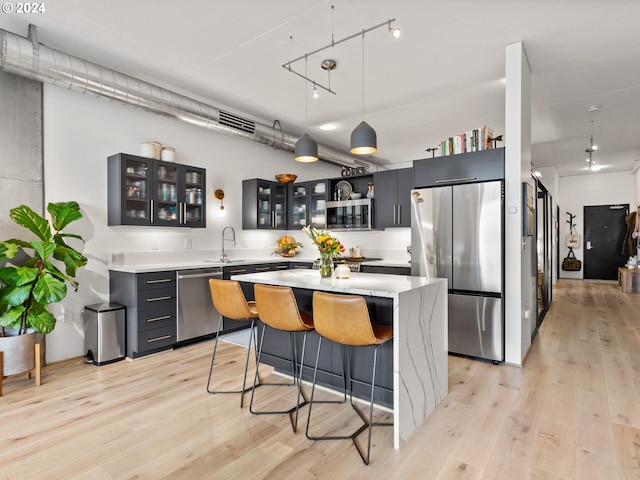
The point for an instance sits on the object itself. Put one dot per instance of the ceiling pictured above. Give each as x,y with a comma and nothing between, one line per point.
443,76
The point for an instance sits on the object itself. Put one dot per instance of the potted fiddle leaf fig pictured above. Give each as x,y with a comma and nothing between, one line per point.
35,274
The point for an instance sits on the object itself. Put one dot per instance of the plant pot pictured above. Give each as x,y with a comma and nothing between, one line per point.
17,353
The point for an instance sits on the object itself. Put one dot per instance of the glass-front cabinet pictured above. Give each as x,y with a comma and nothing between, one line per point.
144,191
264,205
318,203
307,204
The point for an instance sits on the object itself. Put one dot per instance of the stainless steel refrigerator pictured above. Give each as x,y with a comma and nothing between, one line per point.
457,234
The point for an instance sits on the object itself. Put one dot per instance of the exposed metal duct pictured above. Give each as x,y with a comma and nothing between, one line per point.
28,58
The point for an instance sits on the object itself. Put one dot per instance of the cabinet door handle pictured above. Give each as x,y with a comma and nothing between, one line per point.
158,299
244,270
162,280
157,339
394,213
152,210
399,217
262,269
449,180
157,319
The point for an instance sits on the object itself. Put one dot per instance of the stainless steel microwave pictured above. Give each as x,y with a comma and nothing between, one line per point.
350,214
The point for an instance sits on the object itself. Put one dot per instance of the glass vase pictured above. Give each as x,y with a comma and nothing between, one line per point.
326,265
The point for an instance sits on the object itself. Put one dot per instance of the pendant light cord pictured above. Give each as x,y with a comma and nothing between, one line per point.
306,113
362,75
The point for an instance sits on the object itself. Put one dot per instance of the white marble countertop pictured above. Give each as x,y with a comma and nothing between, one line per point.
214,262
372,284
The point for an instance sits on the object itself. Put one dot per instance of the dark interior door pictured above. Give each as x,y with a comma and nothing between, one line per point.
604,230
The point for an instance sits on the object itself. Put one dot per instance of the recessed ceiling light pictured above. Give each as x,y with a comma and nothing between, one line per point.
328,126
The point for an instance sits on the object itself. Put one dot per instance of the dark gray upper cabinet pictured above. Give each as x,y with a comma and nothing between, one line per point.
393,198
264,205
465,167
148,192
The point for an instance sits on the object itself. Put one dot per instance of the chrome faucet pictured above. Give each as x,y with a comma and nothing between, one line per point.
223,257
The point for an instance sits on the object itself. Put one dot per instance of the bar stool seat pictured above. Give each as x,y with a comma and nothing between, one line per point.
344,319
278,309
229,300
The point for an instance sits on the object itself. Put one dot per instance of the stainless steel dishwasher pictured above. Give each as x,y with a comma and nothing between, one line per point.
196,314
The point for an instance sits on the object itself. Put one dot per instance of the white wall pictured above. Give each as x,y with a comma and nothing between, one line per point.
579,191
80,132
520,286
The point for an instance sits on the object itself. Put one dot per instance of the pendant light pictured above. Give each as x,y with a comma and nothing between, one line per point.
364,140
306,147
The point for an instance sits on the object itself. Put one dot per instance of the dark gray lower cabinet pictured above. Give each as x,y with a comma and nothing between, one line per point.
150,299
275,352
386,269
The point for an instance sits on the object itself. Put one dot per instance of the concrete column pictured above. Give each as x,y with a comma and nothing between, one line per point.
21,149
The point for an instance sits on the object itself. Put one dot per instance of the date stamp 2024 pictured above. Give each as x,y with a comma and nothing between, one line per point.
22,8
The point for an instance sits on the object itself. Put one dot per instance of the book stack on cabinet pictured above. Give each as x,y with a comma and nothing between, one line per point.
471,141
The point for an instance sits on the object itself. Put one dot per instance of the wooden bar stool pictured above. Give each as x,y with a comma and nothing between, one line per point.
278,309
229,300
344,319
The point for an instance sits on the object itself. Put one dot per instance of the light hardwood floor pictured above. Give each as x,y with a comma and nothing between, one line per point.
572,412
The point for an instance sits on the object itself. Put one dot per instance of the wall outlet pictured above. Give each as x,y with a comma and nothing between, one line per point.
155,245
188,243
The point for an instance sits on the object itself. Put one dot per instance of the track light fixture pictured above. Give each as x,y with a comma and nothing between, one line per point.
363,138
330,64
395,32
592,148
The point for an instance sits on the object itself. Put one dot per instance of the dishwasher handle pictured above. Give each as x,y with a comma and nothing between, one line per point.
200,275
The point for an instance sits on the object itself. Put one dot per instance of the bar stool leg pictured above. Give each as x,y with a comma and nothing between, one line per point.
246,365
367,422
297,380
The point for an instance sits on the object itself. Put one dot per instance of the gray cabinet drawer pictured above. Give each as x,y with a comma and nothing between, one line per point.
159,297
157,317
153,280
156,338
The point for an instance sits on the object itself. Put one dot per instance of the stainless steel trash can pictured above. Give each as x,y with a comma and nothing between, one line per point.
104,333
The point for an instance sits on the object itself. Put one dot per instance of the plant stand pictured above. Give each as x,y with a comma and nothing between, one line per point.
37,370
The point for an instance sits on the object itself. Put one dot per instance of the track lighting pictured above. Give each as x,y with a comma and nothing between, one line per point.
395,32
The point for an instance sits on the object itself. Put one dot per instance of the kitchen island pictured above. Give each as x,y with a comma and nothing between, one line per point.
418,312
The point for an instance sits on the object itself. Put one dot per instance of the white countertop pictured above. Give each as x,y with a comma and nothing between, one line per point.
372,284
159,267
214,262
